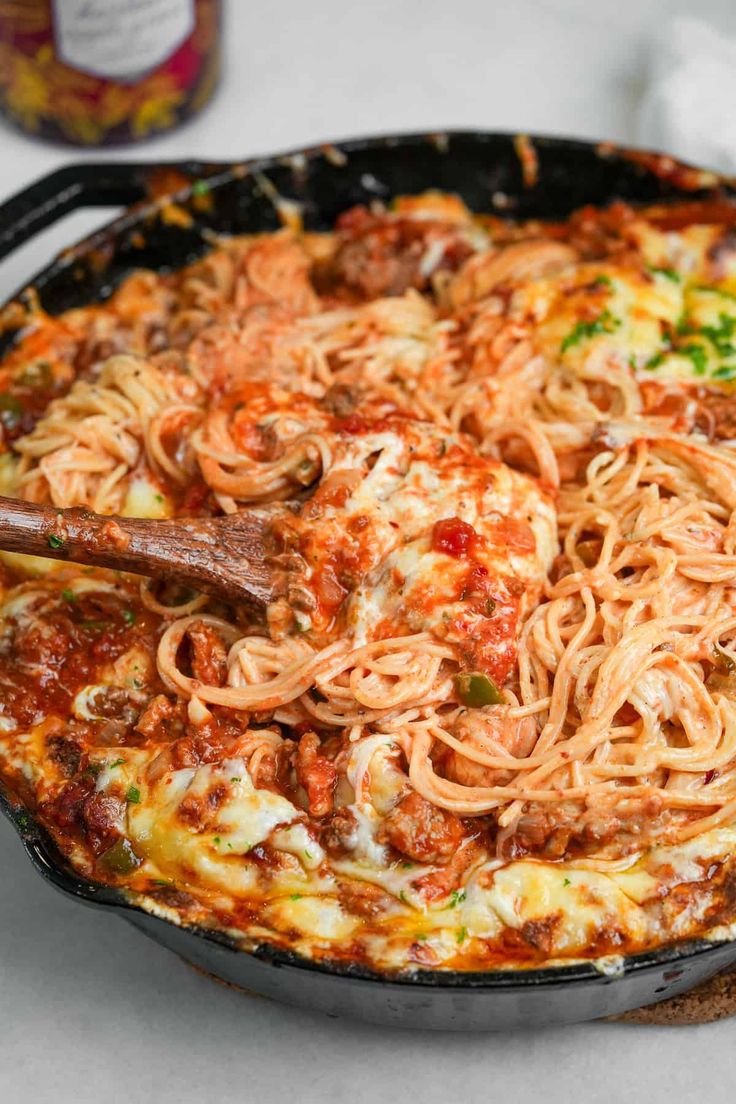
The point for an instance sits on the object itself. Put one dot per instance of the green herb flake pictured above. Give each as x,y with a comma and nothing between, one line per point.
668,273
421,937
216,840
407,866
115,763
462,935
721,334
295,896
200,188
603,281
656,360
163,882
133,796
68,595
129,617
604,323
159,498
475,690
698,357
457,897
567,882
236,779
403,897
725,372
715,291
54,541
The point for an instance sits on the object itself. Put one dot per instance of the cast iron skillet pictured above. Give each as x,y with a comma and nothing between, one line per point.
486,171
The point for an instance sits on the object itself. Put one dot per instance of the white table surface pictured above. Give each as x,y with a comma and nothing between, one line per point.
89,1009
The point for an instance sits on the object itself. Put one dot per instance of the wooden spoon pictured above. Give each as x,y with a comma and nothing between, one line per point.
224,556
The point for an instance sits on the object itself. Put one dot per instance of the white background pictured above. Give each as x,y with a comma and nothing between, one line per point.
89,1009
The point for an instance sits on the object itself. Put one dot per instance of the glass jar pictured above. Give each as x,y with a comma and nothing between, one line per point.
106,72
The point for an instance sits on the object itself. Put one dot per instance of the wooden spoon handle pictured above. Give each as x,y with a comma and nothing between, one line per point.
224,556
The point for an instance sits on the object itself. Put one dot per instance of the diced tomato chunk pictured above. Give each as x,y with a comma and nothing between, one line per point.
454,537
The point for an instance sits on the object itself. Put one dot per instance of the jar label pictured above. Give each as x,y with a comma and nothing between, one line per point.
120,39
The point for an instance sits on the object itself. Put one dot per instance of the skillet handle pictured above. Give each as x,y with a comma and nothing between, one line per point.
106,184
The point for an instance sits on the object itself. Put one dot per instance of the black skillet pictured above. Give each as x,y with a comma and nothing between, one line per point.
486,170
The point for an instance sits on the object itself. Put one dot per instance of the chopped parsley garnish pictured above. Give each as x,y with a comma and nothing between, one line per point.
68,595
462,935
668,273
216,840
407,865
726,372
604,323
295,896
129,617
133,795
603,281
159,498
403,897
115,763
715,291
567,882
200,188
697,355
236,779
456,897
721,334
54,541
421,936
162,882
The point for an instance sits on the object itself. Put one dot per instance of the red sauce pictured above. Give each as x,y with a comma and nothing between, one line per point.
59,651
194,498
352,424
454,537
486,632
